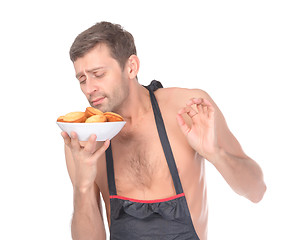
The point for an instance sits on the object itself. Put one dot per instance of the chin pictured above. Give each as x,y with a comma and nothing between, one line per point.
103,108
100,107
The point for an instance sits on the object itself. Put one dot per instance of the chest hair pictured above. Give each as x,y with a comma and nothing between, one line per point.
139,164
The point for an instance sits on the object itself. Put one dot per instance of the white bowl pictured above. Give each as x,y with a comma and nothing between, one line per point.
103,130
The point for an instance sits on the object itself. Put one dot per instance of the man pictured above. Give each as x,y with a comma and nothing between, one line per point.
152,174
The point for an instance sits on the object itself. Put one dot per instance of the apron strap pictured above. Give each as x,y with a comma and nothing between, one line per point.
110,171
165,143
154,85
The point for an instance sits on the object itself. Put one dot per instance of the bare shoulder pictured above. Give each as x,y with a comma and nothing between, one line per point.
179,96
182,92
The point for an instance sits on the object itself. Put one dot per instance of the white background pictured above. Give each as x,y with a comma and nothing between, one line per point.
237,51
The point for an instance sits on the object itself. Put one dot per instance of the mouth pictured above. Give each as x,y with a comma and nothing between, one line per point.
97,101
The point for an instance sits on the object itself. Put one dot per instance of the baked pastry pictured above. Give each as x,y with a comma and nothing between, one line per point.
60,119
113,117
96,118
75,117
91,115
90,111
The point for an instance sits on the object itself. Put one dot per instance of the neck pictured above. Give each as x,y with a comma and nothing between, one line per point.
136,105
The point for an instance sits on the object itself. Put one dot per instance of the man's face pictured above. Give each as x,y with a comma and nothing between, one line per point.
101,79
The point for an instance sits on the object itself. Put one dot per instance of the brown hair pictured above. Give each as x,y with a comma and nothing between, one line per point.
119,41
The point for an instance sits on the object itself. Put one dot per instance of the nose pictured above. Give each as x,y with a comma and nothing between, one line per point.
91,85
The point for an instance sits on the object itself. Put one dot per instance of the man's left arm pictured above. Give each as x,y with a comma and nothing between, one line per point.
209,135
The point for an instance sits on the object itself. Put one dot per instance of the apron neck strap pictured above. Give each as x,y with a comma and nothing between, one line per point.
110,171
166,144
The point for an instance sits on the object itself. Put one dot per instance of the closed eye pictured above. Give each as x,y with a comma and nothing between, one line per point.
82,79
99,75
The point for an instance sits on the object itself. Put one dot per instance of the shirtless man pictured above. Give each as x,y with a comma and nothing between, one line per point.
106,66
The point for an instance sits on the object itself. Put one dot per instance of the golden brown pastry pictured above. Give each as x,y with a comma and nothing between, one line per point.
89,116
113,117
90,111
60,119
96,118
75,117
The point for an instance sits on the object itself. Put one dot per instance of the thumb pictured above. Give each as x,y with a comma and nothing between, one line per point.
183,126
102,149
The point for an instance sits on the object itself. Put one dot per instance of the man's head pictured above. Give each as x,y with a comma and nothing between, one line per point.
105,62
120,42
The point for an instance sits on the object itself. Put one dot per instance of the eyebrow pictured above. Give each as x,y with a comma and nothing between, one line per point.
89,71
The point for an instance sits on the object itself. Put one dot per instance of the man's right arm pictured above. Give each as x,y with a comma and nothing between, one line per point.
87,221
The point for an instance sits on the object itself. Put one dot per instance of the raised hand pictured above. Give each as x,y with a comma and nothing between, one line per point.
201,135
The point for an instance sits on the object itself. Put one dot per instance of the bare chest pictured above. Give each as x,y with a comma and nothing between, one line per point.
140,165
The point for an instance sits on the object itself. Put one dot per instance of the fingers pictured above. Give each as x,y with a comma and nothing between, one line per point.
66,138
103,148
200,105
90,147
91,144
199,101
184,127
75,142
72,142
189,110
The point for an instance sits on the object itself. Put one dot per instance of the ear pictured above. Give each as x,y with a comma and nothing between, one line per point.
132,66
